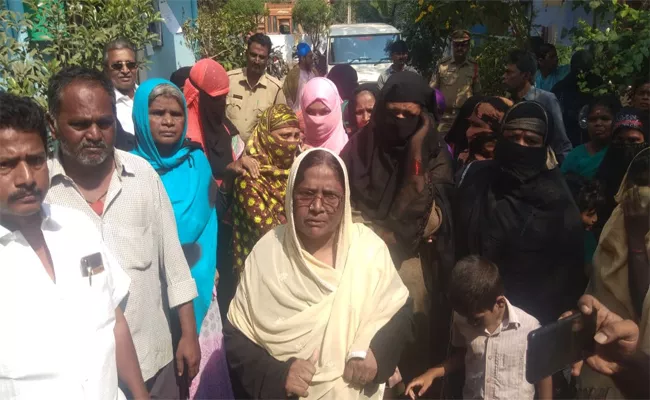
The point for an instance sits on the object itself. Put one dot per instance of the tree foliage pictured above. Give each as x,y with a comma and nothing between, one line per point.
621,51
427,25
315,17
70,33
221,28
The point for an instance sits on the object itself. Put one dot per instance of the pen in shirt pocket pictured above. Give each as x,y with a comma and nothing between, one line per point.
91,265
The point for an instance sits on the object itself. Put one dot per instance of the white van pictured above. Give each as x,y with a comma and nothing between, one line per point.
364,46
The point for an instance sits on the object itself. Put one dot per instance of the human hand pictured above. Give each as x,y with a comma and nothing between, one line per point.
300,375
616,338
359,371
637,215
395,378
246,164
424,382
188,352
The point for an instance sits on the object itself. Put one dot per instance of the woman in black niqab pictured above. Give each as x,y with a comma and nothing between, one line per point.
517,211
401,182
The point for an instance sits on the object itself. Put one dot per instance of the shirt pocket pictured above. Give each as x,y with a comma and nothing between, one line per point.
449,77
512,363
132,245
234,107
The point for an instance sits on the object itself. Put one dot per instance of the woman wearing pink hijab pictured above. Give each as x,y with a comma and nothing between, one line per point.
321,105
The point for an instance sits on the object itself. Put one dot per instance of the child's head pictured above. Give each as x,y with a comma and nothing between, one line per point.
476,291
588,196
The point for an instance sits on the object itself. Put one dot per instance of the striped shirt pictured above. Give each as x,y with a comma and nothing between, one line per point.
139,228
495,363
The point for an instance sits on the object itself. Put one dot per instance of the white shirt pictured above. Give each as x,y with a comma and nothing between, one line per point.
124,106
57,339
495,363
305,76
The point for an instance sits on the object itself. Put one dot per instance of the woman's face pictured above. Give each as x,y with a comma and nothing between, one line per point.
318,109
404,110
318,203
630,136
365,102
599,124
287,133
166,121
524,138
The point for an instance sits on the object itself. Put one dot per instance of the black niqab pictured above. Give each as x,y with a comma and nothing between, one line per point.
530,228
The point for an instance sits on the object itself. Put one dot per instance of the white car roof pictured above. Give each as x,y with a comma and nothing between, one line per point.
362,29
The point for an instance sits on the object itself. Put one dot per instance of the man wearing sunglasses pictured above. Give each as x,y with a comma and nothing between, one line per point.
456,77
121,67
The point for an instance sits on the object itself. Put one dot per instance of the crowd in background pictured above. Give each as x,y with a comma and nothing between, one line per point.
223,234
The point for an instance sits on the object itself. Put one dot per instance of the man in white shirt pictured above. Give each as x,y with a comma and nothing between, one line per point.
121,66
64,334
126,201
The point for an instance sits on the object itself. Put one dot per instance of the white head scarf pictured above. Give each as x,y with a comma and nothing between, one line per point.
292,305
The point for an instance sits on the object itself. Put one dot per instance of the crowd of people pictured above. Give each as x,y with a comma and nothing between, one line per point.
225,235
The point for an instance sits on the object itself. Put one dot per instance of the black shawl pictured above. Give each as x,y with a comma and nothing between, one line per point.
380,158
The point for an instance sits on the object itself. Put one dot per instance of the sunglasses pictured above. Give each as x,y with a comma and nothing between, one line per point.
131,65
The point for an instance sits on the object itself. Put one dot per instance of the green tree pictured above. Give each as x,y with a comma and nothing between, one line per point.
221,28
70,33
427,25
315,17
621,51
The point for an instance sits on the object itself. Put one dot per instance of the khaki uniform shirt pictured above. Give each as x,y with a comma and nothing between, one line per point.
457,82
246,103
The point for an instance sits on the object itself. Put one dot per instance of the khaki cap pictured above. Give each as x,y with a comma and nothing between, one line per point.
460,35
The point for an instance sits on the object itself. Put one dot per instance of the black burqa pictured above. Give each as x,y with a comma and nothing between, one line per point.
217,131
519,214
386,183
618,158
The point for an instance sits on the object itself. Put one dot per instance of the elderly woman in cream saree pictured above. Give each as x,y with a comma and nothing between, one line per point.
320,311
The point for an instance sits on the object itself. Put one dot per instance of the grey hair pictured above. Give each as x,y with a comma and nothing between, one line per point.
118,44
166,90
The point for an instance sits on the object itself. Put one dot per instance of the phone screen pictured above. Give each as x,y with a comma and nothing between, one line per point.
556,346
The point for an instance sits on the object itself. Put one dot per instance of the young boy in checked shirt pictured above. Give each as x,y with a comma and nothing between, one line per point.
489,337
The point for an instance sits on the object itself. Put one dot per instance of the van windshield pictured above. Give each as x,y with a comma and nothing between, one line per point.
360,49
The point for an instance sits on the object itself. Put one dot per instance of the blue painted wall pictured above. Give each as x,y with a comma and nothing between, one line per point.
174,53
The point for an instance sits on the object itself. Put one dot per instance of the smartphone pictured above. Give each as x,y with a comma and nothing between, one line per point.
556,346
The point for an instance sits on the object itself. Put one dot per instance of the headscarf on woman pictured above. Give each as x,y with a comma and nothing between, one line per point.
188,182
470,132
179,76
370,87
346,80
293,305
518,213
344,76
325,131
383,154
205,92
259,203
619,156
610,282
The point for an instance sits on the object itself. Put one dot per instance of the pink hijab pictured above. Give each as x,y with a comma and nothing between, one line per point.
324,131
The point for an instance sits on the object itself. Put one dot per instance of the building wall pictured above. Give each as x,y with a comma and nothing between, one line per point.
557,15
173,53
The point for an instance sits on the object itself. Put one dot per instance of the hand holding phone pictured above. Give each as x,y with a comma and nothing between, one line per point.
616,338
556,346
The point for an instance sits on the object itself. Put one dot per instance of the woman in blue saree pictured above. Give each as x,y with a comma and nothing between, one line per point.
160,120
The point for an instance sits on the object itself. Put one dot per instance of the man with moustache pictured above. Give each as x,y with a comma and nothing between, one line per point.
252,90
64,334
125,198
121,67
457,77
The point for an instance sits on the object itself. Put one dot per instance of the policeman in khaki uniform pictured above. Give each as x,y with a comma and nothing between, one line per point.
456,77
252,90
